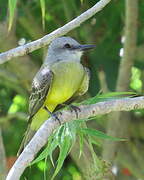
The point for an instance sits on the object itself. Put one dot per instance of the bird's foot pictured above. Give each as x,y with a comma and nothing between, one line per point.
54,115
45,108
75,109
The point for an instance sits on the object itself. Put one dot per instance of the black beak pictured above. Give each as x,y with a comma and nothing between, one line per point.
84,47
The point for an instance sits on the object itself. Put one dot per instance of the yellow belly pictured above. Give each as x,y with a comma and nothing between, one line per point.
67,79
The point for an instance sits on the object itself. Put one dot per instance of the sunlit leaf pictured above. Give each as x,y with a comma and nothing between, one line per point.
18,99
136,82
42,3
13,109
42,165
11,7
19,103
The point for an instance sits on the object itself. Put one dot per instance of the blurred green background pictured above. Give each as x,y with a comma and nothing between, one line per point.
106,30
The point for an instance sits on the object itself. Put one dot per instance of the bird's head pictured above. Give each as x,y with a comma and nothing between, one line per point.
66,48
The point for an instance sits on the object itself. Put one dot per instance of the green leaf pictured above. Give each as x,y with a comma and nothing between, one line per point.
81,143
107,96
58,138
42,165
52,144
99,134
11,7
115,94
96,142
19,104
42,3
136,82
85,119
64,149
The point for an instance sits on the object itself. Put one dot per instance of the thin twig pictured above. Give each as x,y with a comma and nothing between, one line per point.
118,124
3,168
27,48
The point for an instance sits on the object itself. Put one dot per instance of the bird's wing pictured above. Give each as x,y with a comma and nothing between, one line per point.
40,86
85,84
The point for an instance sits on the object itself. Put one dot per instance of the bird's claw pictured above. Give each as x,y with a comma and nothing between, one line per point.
55,116
75,109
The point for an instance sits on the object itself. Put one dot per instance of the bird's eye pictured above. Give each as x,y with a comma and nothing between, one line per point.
67,46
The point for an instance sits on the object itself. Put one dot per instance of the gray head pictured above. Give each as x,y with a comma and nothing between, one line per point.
65,48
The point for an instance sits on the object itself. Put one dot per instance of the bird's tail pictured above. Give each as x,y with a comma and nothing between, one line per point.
27,137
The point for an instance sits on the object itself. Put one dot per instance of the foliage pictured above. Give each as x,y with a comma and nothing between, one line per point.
65,136
12,7
33,19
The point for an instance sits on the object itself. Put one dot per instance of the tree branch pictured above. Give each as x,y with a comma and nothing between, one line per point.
117,125
3,168
25,49
41,137
139,53
129,45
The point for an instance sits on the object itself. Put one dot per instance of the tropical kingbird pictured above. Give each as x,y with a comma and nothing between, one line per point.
60,78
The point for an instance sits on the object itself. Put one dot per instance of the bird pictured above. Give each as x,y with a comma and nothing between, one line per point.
61,77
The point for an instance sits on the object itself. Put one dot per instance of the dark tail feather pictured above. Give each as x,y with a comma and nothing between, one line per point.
27,137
